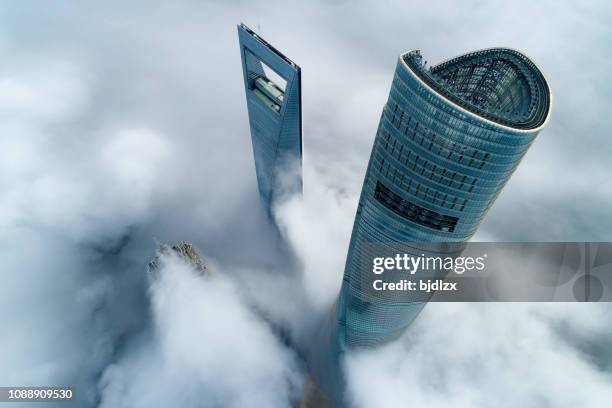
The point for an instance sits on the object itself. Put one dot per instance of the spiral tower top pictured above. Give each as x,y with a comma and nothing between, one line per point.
498,84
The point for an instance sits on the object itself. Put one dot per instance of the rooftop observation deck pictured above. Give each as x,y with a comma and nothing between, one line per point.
498,84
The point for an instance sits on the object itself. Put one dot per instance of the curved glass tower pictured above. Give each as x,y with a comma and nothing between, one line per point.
449,138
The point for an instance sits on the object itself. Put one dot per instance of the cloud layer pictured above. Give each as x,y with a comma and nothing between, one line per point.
121,124
478,355
206,347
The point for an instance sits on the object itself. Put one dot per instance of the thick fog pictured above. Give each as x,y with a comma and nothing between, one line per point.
123,125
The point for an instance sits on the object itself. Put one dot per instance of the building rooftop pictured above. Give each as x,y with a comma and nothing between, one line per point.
498,84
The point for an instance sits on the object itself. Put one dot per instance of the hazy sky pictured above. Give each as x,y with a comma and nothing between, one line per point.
125,123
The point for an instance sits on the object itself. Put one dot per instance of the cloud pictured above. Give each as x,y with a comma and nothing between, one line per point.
207,347
481,355
121,123
318,226
68,300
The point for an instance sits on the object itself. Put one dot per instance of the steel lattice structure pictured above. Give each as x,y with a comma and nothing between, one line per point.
499,84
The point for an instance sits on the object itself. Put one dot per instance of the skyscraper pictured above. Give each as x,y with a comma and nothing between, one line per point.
449,138
272,85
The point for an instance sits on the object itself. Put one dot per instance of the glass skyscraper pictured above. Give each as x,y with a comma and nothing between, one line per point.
449,138
272,85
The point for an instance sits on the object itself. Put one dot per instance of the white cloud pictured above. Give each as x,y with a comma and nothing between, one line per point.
318,226
132,124
48,90
206,345
482,355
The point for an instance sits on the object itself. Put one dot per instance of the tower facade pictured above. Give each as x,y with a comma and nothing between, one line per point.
272,85
449,138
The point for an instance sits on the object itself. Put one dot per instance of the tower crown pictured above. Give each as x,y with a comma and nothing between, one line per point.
497,84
